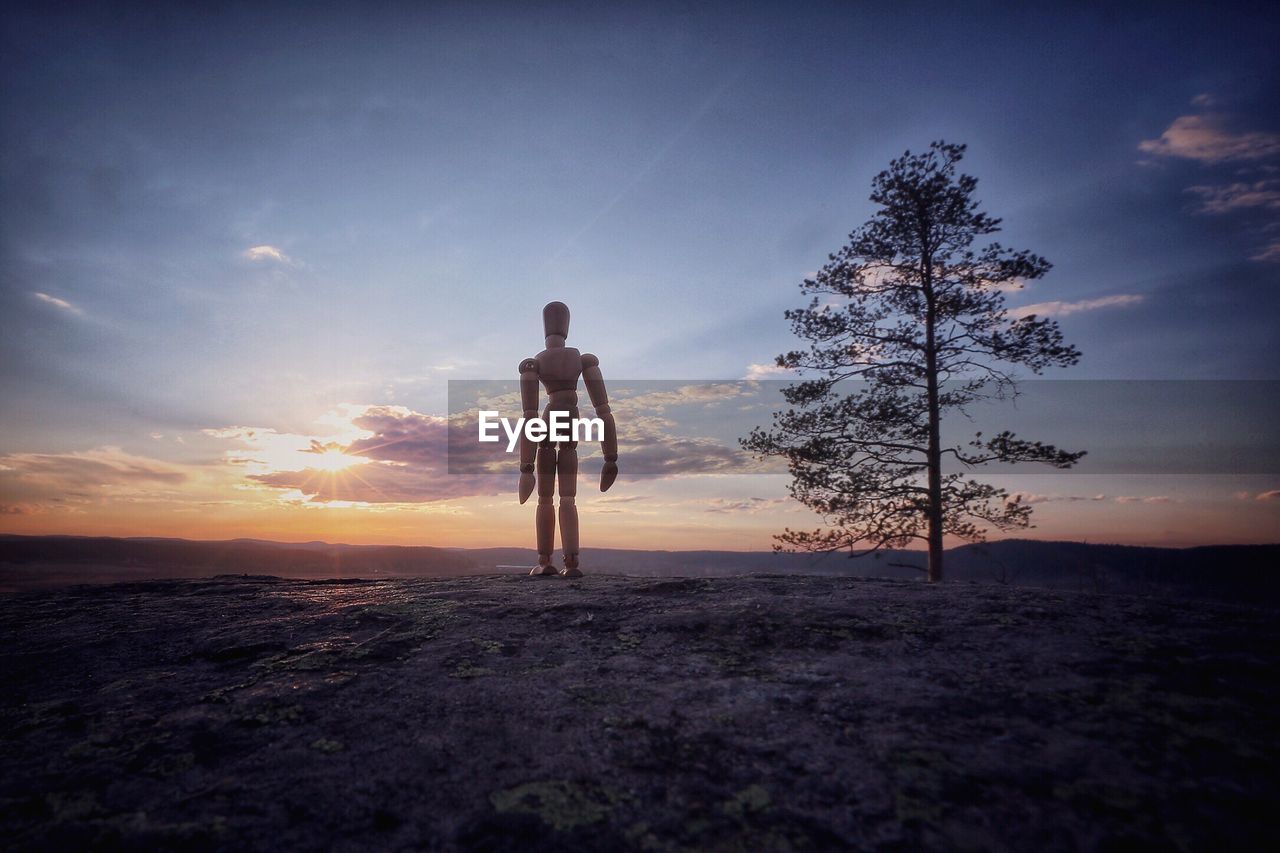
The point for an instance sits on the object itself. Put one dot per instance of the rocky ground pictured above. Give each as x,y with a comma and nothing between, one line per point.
612,713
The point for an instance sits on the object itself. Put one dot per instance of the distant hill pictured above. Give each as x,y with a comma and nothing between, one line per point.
1239,572
1220,571
52,560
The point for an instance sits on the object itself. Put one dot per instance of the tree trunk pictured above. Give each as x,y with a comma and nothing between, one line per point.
935,485
935,497
934,455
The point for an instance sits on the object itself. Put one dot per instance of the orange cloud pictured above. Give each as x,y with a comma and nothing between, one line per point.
1206,138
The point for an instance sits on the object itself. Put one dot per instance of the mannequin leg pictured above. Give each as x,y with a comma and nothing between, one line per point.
546,517
567,473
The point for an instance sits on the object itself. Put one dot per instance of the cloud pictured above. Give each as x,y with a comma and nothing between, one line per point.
699,393
391,454
1064,309
382,484
57,303
652,445
1205,138
1238,196
405,437
669,456
766,371
1028,498
748,506
266,253
1253,192
1269,254
1031,498
404,458
1273,495
88,470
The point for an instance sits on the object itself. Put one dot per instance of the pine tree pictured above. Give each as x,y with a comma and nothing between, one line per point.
913,308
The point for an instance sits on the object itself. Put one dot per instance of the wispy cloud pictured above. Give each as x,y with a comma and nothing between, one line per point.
1252,193
747,506
699,394
1269,253
1273,495
1207,139
667,456
266,253
1064,309
58,303
1238,196
89,470
1032,498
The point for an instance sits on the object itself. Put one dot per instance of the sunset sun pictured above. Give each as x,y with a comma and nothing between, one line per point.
331,459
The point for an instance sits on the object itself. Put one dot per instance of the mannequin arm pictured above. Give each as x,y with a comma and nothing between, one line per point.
594,381
529,403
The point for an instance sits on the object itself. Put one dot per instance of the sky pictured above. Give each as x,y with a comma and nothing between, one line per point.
245,249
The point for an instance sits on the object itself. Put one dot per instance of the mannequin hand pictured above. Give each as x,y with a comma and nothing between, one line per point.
527,482
608,474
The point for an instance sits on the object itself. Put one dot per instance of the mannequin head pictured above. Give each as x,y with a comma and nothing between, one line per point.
555,323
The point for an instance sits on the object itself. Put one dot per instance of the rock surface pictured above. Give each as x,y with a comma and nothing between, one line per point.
612,713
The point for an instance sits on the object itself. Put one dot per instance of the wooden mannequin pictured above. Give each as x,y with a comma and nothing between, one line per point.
557,368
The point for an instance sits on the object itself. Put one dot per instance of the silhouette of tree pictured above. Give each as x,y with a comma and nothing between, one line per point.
915,309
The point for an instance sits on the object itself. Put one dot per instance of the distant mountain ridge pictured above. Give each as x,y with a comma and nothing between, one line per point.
1239,572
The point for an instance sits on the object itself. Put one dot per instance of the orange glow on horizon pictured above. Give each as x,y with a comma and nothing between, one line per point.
377,475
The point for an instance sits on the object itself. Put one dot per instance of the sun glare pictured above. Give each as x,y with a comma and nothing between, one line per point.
333,460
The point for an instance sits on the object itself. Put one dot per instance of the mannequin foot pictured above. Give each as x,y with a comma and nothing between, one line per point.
570,572
543,569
